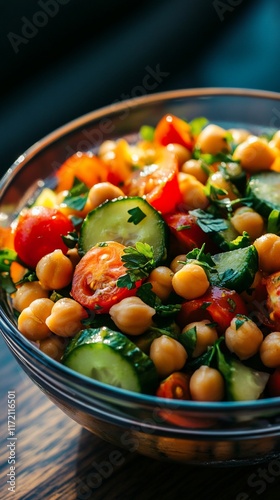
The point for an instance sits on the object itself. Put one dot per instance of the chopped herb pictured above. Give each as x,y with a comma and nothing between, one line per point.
147,133
240,320
76,221
188,339
27,278
139,261
273,223
7,256
146,294
208,222
241,241
77,196
137,215
232,305
198,256
205,305
71,239
210,159
55,296
197,124
183,227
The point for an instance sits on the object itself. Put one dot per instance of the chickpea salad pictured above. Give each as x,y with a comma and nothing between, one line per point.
154,266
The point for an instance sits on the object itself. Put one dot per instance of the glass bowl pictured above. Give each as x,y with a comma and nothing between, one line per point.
226,433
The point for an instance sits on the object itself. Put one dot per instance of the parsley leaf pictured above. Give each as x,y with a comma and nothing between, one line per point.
146,294
210,159
208,222
197,124
7,256
240,320
139,262
273,223
147,133
77,196
70,239
136,215
198,255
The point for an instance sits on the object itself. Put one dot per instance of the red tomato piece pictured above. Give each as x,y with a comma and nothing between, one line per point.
39,231
173,130
273,384
158,183
86,167
219,305
176,386
187,232
94,283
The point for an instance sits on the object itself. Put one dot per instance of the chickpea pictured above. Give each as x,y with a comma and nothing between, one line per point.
53,346
27,293
161,281
177,263
117,155
103,191
168,355
243,337
270,350
206,335
207,384
193,191
106,147
32,320
218,180
54,270
74,256
246,219
132,316
268,248
182,154
239,134
190,282
195,168
254,154
213,139
65,318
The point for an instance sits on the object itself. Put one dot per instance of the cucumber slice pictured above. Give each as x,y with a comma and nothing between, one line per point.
235,269
264,189
243,383
111,358
246,384
126,220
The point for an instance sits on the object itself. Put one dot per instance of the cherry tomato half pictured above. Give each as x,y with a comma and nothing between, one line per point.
94,283
158,183
38,232
176,386
173,130
219,305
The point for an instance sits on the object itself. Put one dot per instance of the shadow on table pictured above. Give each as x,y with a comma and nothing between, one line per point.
105,471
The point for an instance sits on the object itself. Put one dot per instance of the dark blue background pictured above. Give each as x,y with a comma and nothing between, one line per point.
86,54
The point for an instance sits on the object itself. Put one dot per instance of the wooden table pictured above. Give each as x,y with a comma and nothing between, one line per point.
57,459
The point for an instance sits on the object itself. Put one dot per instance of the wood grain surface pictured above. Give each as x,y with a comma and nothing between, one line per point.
58,459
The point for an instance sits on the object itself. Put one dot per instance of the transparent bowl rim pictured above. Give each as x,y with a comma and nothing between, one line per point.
60,370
